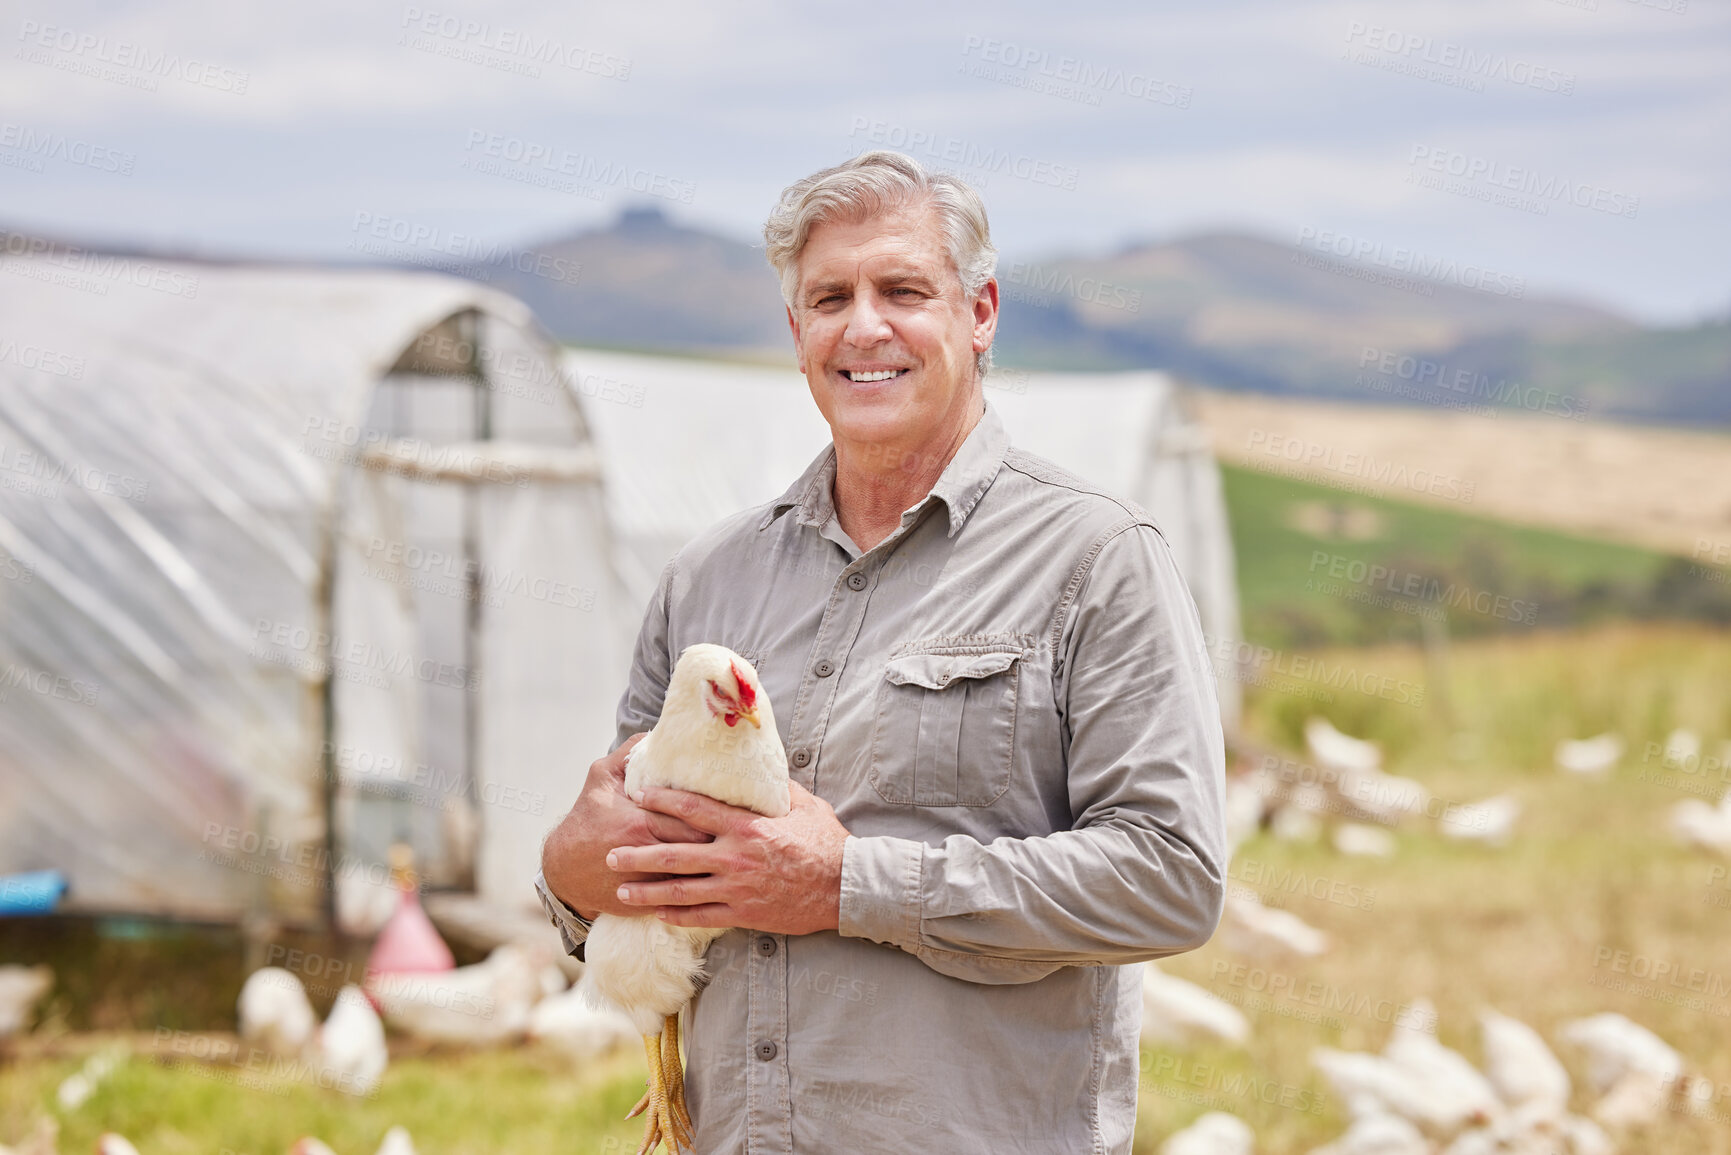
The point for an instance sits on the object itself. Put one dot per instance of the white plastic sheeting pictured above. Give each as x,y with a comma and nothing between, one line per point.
251,527
684,443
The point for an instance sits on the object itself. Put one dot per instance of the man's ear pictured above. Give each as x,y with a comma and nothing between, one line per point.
798,347
986,316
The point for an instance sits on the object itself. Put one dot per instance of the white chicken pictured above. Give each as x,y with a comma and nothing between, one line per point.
397,1142
1261,932
481,1005
1176,1012
645,967
351,1045
1216,1133
1589,755
112,1144
275,1013
1334,750
1519,1065
1378,1135
570,1022
1695,823
1490,821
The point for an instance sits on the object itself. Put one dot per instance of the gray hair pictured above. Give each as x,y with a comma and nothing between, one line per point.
876,182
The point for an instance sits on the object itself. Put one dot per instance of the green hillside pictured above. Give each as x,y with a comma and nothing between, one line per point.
1319,567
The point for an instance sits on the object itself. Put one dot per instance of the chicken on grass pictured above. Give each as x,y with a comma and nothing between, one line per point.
717,737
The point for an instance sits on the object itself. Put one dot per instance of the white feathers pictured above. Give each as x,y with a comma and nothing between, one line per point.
1358,840
1454,1092
1589,755
351,1044
1519,1065
1616,1046
275,1013
397,1142
1175,1012
1215,1133
1261,932
693,747
1490,821
1378,1135
481,1005
1695,823
1340,752
716,736
570,1022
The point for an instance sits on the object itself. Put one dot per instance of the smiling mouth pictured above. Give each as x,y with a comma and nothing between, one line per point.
877,375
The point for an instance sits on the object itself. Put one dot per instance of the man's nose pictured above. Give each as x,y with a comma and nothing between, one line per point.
867,323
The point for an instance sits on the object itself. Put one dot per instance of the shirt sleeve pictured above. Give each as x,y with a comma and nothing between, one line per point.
1141,873
573,927
651,664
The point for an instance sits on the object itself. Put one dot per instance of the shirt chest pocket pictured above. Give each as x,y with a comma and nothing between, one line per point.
945,727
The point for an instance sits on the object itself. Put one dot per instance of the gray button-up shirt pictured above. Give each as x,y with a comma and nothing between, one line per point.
1008,703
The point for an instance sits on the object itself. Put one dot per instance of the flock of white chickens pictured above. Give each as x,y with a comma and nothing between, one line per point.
1418,1097
517,993
1415,1097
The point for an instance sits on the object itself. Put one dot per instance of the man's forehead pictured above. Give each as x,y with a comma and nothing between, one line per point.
905,240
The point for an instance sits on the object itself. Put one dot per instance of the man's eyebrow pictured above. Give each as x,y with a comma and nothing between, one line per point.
905,276
831,285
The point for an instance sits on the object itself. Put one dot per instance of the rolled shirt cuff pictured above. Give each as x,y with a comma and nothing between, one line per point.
573,927
880,890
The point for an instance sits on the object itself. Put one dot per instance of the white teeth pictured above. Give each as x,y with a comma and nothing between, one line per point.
881,375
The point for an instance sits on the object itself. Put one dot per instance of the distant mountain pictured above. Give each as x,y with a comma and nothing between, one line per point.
645,281
1241,312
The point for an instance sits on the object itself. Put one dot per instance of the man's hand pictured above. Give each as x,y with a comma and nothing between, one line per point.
574,856
781,875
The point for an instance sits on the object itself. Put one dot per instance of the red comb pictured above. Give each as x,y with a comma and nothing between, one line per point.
747,695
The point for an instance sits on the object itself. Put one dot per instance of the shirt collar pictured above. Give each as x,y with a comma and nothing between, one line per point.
961,485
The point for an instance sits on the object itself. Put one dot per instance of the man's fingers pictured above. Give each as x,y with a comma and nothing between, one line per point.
698,810
670,892
666,828
663,858
708,914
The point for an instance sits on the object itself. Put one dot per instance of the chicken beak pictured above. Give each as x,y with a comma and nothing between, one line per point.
751,716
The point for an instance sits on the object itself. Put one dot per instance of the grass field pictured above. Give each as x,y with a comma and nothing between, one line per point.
1300,547
1525,928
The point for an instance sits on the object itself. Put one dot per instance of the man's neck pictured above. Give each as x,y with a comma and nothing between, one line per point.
876,483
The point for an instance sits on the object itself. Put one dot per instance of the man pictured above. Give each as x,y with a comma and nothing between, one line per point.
1001,726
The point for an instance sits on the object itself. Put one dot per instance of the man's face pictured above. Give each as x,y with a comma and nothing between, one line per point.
881,297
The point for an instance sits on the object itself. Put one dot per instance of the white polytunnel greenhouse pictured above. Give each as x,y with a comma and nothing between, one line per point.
298,564
295,565
686,442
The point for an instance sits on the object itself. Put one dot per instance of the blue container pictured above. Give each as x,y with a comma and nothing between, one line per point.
34,892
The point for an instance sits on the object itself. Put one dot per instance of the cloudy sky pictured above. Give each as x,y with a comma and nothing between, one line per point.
1584,146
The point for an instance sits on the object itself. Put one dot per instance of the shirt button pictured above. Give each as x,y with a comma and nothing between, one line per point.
766,1050
802,757
765,946
824,668
856,581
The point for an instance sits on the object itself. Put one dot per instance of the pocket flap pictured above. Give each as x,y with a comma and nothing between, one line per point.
935,671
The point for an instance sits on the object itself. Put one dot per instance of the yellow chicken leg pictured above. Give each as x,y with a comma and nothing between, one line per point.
661,1123
673,1078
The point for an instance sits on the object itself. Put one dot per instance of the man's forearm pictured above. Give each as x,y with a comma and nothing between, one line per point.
1015,910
